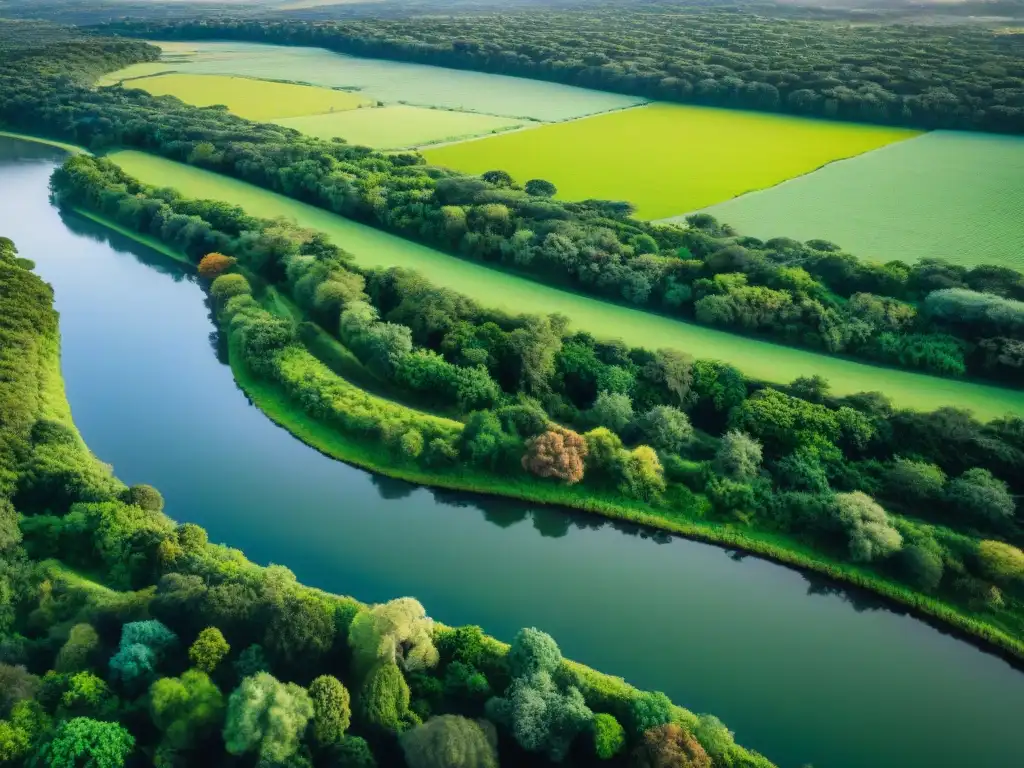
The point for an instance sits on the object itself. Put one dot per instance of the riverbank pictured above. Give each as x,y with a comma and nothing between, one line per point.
72,148
275,405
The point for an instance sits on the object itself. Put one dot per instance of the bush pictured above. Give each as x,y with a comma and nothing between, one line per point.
922,567
213,265
609,736
209,649
1001,562
145,496
227,286
450,741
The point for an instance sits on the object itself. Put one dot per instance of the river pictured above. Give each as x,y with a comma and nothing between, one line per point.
803,671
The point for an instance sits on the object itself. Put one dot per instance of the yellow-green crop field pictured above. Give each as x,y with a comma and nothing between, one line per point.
494,288
399,126
260,100
668,159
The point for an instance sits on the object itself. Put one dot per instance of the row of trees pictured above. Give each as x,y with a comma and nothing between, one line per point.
184,653
959,76
810,294
690,437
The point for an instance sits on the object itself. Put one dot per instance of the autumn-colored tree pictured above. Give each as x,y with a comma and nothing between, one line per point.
670,746
558,453
213,265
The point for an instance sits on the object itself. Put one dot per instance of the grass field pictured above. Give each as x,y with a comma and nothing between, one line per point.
252,99
399,126
764,360
392,82
668,159
958,196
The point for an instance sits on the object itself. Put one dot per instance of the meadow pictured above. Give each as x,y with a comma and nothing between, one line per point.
952,195
668,159
399,126
391,82
258,100
759,359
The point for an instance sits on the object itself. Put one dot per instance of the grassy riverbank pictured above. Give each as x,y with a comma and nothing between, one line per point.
73,149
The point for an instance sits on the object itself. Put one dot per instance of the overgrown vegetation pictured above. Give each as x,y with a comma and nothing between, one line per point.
143,644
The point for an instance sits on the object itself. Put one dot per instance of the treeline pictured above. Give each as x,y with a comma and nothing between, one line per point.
807,294
682,437
960,76
176,652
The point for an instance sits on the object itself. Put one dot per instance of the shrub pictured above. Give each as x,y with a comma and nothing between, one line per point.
209,649
145,496
384,698
871,535
922,567
450,741
332,710
609,736
981,496
557,453
1001,562
227,286
213,265
267,717
670,746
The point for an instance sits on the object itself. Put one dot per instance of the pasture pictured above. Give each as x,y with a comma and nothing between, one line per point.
392,82
259,100
772,362
668,159
956,196
399,126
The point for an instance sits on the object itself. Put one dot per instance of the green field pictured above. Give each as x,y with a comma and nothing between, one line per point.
668,159
259,100
764,360
399,126
956,196
391,82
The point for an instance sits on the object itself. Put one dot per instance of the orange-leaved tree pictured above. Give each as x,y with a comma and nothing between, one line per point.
215,264
558,452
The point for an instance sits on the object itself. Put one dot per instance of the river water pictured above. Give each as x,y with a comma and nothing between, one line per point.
803,671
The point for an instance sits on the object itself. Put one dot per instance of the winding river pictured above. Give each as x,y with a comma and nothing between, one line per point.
803,671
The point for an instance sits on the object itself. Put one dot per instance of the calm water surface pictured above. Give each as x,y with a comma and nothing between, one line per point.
803,672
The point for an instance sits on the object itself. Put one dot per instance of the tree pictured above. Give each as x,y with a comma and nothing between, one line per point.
89,743
352,752
185,708
226,286
738,456
542,715
871,535
914,482
642,474
558,453
209,649
612,410
540,188
251,662
979,495
647,710
450,741
922,567
266,716
1001,562
670,746
397,632
145,496
74,655
16,684
666,428
811,388
144,644
384,698
609,736
716,739
213,265
332,711
497,178
10,533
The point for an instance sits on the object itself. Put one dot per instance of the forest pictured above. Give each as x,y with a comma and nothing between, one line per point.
127,639
806,294
923,500
927,76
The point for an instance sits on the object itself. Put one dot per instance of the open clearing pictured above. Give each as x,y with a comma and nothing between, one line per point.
764,360
952,195
392,82
667,159
252,99
399,126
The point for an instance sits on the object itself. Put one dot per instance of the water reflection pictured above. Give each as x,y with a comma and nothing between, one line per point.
123,244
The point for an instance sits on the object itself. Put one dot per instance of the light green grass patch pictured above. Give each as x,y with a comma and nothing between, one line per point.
399,126
951,195
259,100
495,288
394,82
668,158
135,71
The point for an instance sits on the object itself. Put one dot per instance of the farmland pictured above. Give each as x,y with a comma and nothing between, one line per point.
668,159
950,195
771,362
399,126
390,82
248,98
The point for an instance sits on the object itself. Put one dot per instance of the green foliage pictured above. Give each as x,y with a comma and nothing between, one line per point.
922,567
353,752
384,699
612,410
267,717
186,708
915,482
251,662
716,739
738,456
208,649
649,710
143,646
609,736
533,652
86,742
981,496
871,535
76,653
1001,562
332,711
666,428
397,632
450,741
145,496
